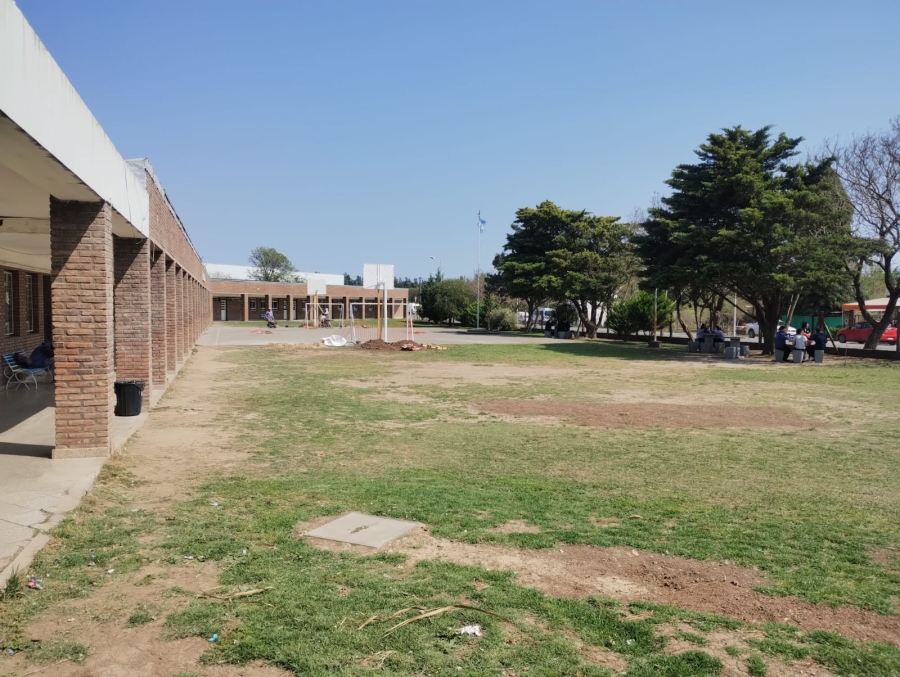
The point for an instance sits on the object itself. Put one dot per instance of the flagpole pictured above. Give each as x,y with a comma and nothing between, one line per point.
478,279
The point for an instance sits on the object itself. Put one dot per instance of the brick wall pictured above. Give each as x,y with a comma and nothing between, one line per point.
167,232
131,265
81,253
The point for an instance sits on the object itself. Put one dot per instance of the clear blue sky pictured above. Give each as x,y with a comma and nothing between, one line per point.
373,131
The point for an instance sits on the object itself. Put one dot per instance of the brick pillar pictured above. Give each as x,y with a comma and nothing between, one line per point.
131,264
268,302
179,314
81,259
290,302
188,314
158,318
198,312
171,316
246,303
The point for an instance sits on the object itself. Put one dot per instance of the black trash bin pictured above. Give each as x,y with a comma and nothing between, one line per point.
128,397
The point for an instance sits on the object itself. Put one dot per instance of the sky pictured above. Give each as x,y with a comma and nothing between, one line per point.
350,131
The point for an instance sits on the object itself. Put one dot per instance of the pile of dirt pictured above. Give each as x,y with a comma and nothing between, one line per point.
378,344
619,415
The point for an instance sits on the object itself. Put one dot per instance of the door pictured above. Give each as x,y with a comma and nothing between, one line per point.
222,312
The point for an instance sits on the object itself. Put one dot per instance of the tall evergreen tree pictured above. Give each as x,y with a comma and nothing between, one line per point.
745,219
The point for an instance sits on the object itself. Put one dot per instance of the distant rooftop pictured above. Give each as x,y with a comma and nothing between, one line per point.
227,271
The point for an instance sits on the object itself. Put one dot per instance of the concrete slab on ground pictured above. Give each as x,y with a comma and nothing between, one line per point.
360,529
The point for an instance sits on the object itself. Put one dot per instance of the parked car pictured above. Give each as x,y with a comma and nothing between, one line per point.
752,329
861,330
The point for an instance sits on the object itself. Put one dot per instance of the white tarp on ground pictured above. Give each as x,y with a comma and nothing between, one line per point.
334,341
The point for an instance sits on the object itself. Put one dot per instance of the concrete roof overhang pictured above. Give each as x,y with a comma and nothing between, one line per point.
51,145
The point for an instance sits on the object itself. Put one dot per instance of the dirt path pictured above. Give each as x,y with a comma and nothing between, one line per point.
179,447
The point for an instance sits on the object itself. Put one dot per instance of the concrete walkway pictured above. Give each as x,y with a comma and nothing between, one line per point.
36,491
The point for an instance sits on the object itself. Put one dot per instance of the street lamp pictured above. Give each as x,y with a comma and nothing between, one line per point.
438,262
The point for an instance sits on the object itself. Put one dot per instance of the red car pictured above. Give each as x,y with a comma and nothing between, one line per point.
861,330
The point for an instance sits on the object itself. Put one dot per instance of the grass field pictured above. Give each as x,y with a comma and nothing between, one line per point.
804,494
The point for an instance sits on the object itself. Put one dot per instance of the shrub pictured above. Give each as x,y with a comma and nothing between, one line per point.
502,319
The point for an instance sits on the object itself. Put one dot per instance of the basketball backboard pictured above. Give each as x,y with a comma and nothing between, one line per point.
376,274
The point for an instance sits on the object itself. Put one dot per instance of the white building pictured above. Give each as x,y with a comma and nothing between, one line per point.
226,271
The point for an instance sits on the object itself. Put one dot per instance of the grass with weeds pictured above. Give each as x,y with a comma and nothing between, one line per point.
15,586
804,505
51,652
756,666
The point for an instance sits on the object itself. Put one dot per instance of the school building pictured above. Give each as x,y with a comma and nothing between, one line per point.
93,255
243,300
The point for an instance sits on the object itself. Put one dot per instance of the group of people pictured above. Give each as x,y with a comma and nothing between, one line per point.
802,340
561,326
717,334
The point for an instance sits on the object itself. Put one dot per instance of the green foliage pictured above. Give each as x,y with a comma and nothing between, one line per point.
141,616
270,265
745,219
592,261
53,652
446,300
350,281
15,585
636,314
502,319
567,255
756,666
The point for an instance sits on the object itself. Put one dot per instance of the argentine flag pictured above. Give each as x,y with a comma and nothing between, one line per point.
481,222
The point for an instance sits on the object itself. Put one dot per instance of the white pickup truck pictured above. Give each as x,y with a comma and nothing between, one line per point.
752,329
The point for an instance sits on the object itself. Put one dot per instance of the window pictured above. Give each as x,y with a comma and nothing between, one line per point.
252,304
274,304
10,304
30,314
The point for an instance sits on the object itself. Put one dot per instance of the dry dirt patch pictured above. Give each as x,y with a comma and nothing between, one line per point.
99,622
629,575
456,374
515,527
618,415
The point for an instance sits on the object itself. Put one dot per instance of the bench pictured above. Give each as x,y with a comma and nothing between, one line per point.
16,373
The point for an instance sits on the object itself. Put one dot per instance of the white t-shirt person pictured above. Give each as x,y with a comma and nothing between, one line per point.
800,342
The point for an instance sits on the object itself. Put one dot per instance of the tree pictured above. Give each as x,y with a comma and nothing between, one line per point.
523,267
869,169
744,219
270,265
352,281
445,300
592,260
637,314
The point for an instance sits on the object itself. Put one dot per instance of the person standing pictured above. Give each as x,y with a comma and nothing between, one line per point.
781,339
800,342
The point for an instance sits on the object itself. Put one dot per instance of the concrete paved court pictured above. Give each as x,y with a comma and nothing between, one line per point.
232,335
36,491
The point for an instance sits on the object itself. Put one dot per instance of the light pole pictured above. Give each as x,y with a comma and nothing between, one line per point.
438,262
